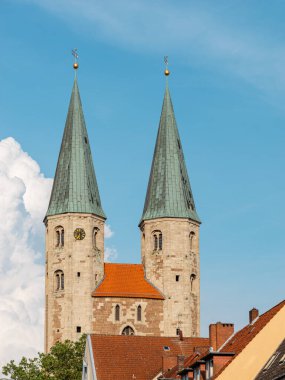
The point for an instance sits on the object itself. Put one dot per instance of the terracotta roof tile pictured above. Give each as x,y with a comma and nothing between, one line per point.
137,357
126,280
244,336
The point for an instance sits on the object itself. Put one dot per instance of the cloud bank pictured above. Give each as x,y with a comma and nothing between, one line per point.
24,196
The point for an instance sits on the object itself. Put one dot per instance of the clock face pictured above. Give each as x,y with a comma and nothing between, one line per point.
79,234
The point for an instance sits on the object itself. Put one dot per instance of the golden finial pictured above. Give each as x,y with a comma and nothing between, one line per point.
75,55
166,71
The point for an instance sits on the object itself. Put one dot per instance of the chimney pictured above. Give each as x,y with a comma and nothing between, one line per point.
253,314
180,335
219,333
180,362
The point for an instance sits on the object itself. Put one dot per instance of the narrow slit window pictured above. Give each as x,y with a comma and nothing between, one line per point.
192,280
177,277
58,280
139,313
62,238
59,236
62,281
191,238
95,237
160,241
117,313
155,242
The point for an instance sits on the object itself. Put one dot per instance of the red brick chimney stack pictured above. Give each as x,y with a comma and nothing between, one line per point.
219,333
253,314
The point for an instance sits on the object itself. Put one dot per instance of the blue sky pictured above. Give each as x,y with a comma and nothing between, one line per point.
227,63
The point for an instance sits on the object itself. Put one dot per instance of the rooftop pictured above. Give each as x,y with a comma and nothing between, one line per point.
137,357
126,280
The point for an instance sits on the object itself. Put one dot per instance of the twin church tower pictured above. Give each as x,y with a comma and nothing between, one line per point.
83,294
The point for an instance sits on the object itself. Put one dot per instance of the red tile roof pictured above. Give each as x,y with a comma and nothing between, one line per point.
126,280
235,344
137,357
244,336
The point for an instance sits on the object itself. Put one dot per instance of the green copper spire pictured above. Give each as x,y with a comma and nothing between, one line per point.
169,193
75,187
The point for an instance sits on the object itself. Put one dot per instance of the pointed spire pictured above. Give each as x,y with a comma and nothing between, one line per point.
75,187
169,192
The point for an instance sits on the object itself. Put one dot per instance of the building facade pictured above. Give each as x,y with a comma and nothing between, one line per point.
160,296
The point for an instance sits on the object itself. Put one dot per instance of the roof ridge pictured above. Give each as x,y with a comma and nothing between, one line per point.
123,264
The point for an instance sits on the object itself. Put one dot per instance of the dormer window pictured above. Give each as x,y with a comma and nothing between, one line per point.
59,236
157,240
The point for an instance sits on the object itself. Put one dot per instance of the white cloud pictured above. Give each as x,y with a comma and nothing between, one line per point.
108,231
24,193
110,254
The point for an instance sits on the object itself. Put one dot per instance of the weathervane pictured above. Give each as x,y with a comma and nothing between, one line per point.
75,55
166,71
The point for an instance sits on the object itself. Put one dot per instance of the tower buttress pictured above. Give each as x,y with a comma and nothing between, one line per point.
170,230
74,234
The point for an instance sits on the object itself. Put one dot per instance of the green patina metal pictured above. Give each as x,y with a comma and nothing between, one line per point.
75,187
169,192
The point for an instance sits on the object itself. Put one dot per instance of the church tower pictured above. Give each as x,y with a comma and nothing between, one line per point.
74,234
170,230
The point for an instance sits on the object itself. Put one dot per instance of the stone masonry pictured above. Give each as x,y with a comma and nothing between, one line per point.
82,266
175,271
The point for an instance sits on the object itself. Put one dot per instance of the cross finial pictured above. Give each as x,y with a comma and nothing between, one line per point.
166,71
75,55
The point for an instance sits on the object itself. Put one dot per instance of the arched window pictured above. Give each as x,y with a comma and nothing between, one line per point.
59,236
117,313
192,279
59,280
191,239
95,236
128,330
139,313
157,240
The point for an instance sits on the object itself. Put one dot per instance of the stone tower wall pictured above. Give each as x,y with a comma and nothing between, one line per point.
178,257
83,267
